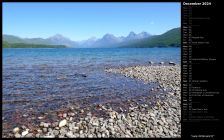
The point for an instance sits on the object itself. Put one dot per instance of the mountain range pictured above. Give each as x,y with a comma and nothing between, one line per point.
143,39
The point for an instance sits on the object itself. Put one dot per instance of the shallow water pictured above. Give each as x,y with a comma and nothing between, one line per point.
47,79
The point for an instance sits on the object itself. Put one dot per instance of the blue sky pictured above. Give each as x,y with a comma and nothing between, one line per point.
79,21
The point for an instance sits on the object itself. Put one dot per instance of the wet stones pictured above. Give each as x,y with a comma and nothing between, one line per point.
139,120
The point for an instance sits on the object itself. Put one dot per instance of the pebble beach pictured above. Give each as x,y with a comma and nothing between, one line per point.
132,120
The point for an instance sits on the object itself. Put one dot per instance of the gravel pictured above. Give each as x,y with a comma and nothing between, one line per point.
140,120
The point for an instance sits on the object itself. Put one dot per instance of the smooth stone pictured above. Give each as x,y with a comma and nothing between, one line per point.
90,136
165,130
176,119
89,114
23,127
41,124
69,134
82,136
95,124
81,132
171,133
76,128
160,122
25,132
55,132
25,115
64,115
30,135
111,120
70,119
46,125
98,135
152,114
55,124
49,129
37,135
44,130
62,123
72,114
40,118
49,136
17,135
16,130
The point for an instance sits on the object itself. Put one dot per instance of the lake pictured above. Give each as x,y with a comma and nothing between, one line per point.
48,79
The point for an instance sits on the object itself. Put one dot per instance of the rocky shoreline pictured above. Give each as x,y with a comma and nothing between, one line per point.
138,120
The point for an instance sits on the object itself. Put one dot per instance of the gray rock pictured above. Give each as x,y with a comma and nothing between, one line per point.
37,135
160,122
165,130
72,114
98,135
70,119
171,133
25,132
65,115
176,119
40,118
111,120
95,124
42,124
152,114
17,135
81,111
16,130
82,135
44,130
103,135
90,136
81,132
49,129
62,123
55,132
46,125
69,134
30,135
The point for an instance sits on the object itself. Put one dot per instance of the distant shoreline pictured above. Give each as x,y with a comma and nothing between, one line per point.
89,48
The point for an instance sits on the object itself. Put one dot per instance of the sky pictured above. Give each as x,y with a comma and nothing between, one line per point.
80,21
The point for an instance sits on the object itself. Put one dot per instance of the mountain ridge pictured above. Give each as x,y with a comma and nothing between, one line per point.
142,39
